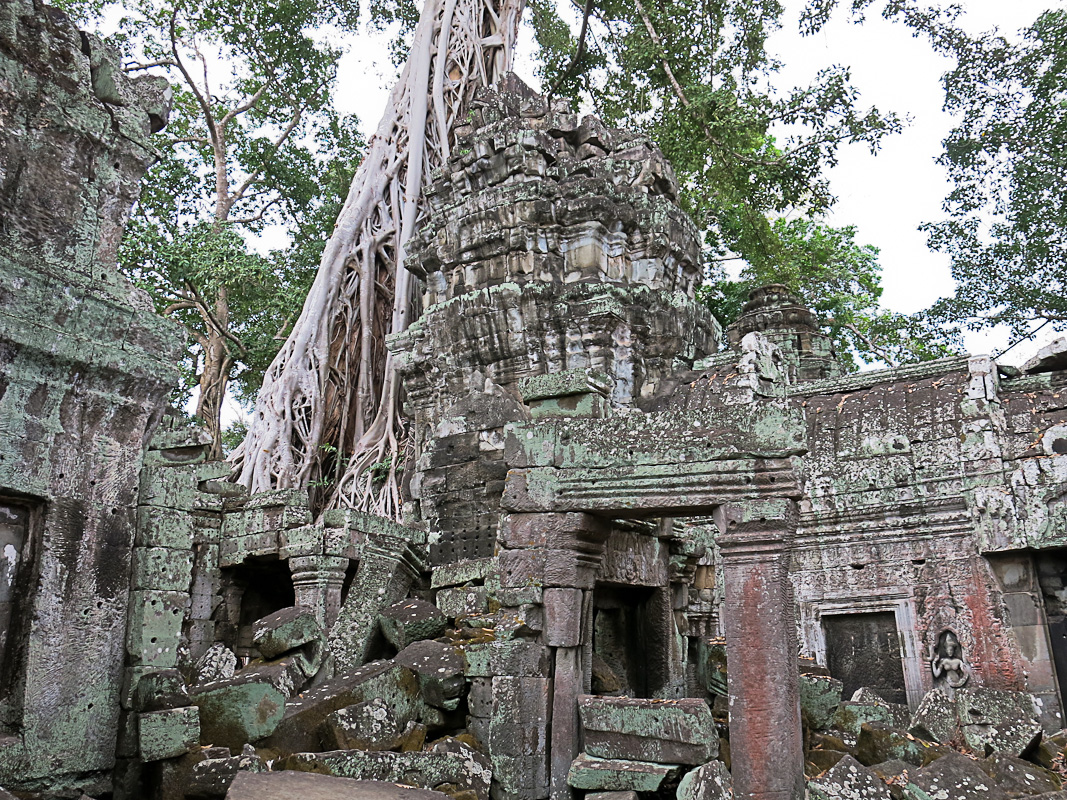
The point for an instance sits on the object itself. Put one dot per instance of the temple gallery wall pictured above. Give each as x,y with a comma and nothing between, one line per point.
640,557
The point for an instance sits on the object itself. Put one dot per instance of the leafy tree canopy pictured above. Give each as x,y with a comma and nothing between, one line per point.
1007,212
696,76
253,141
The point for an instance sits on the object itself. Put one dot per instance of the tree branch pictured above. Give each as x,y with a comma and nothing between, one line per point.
578,53
135,66
204,105
258,215
205,309
239,193
247,105
179,306
680,92
878,351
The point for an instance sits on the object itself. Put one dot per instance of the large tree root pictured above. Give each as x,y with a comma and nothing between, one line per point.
327,416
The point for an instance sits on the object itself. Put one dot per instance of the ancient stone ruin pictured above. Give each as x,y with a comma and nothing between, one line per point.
637,560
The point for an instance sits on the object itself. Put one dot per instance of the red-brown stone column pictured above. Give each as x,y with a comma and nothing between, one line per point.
766,744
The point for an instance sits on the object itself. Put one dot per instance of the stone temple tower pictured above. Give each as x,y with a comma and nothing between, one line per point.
560,274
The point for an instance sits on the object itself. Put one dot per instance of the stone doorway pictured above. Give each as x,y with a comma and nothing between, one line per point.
864,650
631,639
1052,578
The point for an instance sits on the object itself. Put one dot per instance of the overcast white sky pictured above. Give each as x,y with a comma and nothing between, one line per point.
885,196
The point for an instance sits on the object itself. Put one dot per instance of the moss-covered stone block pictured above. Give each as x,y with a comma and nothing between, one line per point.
168,733
169,486
471,570
164,527
936,719
234,713
155,627
162,568
616,775
299,730
410,621
878,742
464,768
516,657
820,696
657,730
285,630
848,780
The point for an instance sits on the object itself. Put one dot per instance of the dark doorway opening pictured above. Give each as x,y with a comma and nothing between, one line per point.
631,638
251,591
1051,567
18,522
864,650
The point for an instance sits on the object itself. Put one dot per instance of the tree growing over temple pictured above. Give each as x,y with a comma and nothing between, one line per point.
693,74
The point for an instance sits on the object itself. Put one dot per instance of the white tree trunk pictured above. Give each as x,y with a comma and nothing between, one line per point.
332,387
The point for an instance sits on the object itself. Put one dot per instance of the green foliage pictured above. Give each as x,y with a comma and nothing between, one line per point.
696,77
1007,211
233,435
253,141
840,281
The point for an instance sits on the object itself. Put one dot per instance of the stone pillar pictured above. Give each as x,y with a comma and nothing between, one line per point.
317,582
766,743
388,567
560,552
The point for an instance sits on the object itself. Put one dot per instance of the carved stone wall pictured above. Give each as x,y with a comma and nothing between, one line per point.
553,245
85,367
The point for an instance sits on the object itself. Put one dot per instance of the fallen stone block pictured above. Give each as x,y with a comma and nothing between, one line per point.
848,780
611,796
851,716
287,674
300,728
168,733
518,657
894,772
659,731
213,777
936,719
237,711
463,601
981,706
370,725
159,690
461,572
958,777
1016,776
309,786
816,762
216,664
820,695
708,782
439,668
465,767
616,775
1014,737
285,630
411,621
878,742
1049,749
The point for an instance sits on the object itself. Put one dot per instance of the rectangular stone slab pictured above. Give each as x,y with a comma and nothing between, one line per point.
616,775
686,720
